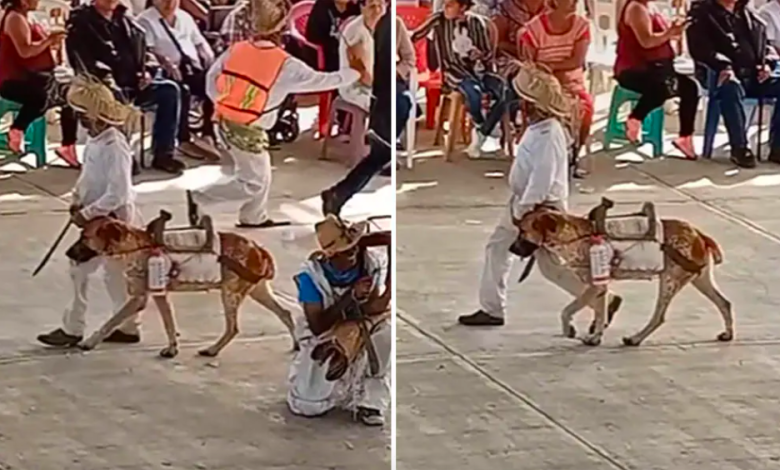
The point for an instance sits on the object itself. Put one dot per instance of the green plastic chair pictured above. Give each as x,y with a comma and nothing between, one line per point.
34,138
652,127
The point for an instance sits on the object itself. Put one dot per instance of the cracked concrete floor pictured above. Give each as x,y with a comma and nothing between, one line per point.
524,398
122,408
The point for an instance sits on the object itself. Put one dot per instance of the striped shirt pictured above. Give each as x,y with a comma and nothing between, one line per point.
238,26
451,37
550,48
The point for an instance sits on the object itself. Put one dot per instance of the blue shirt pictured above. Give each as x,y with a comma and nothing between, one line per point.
307,289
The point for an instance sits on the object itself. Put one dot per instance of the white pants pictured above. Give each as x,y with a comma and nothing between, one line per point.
498,262
74,318
250,184
311,394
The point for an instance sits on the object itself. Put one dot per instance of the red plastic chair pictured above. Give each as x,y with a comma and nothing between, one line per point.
299,15
413,17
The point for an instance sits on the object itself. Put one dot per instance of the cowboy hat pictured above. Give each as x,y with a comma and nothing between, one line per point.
337,236
269,17
89,96
540,87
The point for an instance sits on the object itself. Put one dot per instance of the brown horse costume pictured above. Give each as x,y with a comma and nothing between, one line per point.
237,268
684,253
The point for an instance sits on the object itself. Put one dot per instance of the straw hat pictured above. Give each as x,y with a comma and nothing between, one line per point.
269,16
540,87
90,96
337,236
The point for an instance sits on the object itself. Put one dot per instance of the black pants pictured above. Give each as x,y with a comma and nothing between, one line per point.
651,85
35,94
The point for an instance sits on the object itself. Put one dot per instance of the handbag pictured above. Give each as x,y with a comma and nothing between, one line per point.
189,70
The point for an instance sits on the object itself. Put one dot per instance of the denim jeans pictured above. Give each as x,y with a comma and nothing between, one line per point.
498,91
731,96
403,106
165,97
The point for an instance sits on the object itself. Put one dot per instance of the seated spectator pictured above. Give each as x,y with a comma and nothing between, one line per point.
323,25
406,63
181,49
770,13
510,18
558,39
729,39
27,75
104,42
645,64
466,53
357,38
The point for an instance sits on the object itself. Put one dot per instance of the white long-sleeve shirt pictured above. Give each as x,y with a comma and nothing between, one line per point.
295,77
105,184
540,171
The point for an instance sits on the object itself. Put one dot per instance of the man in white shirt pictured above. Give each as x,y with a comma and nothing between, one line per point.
770,13
539,175
248,84
357,38
104,189
171,31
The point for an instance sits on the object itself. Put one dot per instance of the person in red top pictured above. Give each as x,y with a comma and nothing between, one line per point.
27,75
645,64
558,39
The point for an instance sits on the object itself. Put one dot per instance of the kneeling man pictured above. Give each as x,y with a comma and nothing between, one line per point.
345,339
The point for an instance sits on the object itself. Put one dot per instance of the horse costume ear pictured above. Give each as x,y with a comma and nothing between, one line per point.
546,223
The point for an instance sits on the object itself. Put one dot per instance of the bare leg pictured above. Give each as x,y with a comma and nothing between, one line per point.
163,304
131,308
705,284
233,293
670,282
264,295
579,302
597,292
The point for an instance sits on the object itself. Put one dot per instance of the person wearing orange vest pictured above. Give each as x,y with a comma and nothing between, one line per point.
248,84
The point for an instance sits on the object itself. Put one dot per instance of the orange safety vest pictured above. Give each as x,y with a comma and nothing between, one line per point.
247,76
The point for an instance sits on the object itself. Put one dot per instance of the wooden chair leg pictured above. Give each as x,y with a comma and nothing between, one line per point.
456,107
439,135
466,125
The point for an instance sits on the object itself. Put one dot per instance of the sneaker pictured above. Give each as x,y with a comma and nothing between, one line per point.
15,140
743,158
168,165
369,416
59,338
685,145
124,338
633,130
480,318
477,140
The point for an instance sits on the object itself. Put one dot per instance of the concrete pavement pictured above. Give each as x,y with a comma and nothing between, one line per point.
522,397
121,408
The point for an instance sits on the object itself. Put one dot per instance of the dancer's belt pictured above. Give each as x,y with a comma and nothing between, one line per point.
250,139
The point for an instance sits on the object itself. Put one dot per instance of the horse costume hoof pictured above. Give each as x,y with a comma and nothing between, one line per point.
591,340
207,353
169,352
85,347
630,342
726,336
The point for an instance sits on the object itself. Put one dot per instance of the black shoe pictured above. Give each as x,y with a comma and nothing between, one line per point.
120,337
386,172
192,210
329,204
480,318
369,416
743,158
168,165
774,156
136,168
59,339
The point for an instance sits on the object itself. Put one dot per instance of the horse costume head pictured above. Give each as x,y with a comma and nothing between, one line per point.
112,237
546,226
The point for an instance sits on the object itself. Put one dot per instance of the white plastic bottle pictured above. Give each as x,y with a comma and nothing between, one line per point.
158,272
600,261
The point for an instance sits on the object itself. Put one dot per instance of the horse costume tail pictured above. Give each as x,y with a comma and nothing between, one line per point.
713,248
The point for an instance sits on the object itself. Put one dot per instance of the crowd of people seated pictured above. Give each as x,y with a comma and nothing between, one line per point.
155,55
733,46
